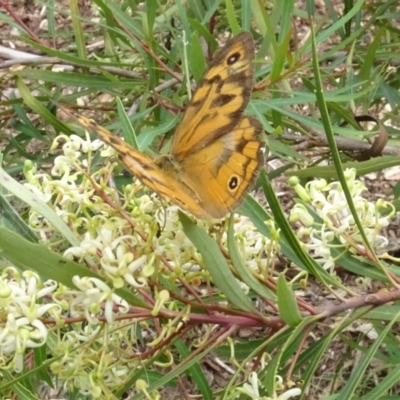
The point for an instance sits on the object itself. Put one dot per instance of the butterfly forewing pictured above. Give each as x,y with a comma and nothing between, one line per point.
220,98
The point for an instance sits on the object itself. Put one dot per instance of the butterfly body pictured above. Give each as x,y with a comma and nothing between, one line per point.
217,151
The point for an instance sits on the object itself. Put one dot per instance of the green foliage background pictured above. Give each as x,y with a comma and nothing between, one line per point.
311,85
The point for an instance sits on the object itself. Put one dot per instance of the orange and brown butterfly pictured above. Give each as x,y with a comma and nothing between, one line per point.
217,151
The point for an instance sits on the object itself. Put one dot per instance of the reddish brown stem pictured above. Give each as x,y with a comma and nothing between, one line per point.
19,21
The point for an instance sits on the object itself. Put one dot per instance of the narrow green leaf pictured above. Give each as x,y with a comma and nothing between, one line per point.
258,215
211,11
22,391
151,13
215,264
176,372
16,146
50,20
325,34
246,15
116,12
272,372
310,359
26,126
333,148
281,52
197,8
344,258
286,20
195,372
310,7
78,29
286,230
38,205
287,305
106,82
11,219
269,380
391,380
27,133
247,348
129,132
146,138
262,21
203,31
370,58
41,356
69,57
184,19
232,20
361,167
39,258
348,391
39,108
197,61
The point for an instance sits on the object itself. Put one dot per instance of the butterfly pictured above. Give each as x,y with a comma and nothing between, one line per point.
217,150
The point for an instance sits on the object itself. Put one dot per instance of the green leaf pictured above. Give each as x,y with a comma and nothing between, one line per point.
11,219
361,167
151,13
287,232
106,82
184,17
197,60
334,150
287,304
38,205
26,127
280,56
232,20
195,372
176,372
129,132
370,59
41,357
203,31
269,380
215,263
21,390
38,107
78,29
352,383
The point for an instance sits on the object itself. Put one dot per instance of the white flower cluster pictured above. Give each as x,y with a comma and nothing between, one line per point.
92,358
113,247
252,389
328,223
126,238
22,307
103,232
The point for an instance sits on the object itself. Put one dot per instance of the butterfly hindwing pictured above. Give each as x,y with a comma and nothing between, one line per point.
224,172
